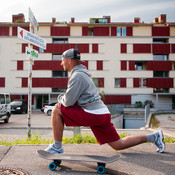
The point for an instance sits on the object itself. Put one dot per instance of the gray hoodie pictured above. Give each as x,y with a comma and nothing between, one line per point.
81,90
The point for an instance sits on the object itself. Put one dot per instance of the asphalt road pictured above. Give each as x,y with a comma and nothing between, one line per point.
139,160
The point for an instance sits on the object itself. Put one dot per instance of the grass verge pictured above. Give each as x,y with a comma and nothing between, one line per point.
79,139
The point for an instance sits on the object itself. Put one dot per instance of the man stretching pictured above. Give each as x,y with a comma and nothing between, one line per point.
81,105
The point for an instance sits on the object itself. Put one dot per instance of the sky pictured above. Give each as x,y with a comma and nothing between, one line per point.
82,10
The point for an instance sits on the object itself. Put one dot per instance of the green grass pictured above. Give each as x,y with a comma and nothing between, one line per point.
79,139
154,122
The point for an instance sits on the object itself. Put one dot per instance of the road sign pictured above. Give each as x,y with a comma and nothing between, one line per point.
33,19
31,53
31,38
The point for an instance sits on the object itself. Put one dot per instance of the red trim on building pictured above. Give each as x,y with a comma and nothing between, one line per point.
58,48
160,31
101,31
131,65
136,82
123,48
46,82
94,48
60,31
117,99
47,65
83,48
123,65
100,82
84,31
99,65
141,48
2,82
15,97
160,82
24,47
160,48
122,82
129,31
159,65
19,65
172,48
113,31
14,30
4,31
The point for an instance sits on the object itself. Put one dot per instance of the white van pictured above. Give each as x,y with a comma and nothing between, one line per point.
5,108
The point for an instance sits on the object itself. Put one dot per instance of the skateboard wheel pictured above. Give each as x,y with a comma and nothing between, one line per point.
52,166
101,169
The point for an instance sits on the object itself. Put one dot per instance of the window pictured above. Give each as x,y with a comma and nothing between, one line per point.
7,99
57,56
95,80
161,90
41,50
160,40
160,57
2,99
59,90
60,40
142,82
90,31
59,73
121,31
162,74
138,66
117,83
99,82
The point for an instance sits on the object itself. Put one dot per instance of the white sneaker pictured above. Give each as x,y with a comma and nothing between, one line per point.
53,150
159,141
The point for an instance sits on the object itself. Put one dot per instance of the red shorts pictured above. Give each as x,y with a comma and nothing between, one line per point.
100,124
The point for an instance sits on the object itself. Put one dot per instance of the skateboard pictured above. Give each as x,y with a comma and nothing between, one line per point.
58,158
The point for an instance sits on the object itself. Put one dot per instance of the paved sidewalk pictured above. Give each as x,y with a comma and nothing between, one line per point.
141,159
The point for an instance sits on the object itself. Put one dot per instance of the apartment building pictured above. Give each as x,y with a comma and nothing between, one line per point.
129,61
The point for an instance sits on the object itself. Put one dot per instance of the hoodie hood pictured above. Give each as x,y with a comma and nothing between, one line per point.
80,68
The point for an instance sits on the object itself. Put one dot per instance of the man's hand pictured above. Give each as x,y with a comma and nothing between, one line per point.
58,105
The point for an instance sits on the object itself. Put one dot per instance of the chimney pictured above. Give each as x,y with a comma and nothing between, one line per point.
156,20
72,20
20,17
162,18
136,20
53,20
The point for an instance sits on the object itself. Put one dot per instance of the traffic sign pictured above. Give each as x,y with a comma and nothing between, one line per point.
31,53
33,19
31,38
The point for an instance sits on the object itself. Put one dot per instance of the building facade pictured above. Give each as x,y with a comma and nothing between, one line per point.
129,62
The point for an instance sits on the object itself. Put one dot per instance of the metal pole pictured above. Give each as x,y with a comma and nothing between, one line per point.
29,91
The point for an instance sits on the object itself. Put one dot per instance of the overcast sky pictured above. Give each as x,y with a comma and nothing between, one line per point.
82,10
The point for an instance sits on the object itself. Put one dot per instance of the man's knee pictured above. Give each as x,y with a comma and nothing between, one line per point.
56,111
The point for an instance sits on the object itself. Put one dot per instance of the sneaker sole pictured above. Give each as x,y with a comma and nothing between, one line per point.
162,142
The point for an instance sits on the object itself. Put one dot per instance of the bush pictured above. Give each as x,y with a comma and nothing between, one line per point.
138,104
149,102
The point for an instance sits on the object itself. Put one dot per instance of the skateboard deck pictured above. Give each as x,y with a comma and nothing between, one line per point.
57,158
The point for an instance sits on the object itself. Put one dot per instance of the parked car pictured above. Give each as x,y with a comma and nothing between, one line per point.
5,109
19,106
48,109
42,109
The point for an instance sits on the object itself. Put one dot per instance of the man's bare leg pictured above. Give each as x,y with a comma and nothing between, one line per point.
128,142
57,124
57,129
